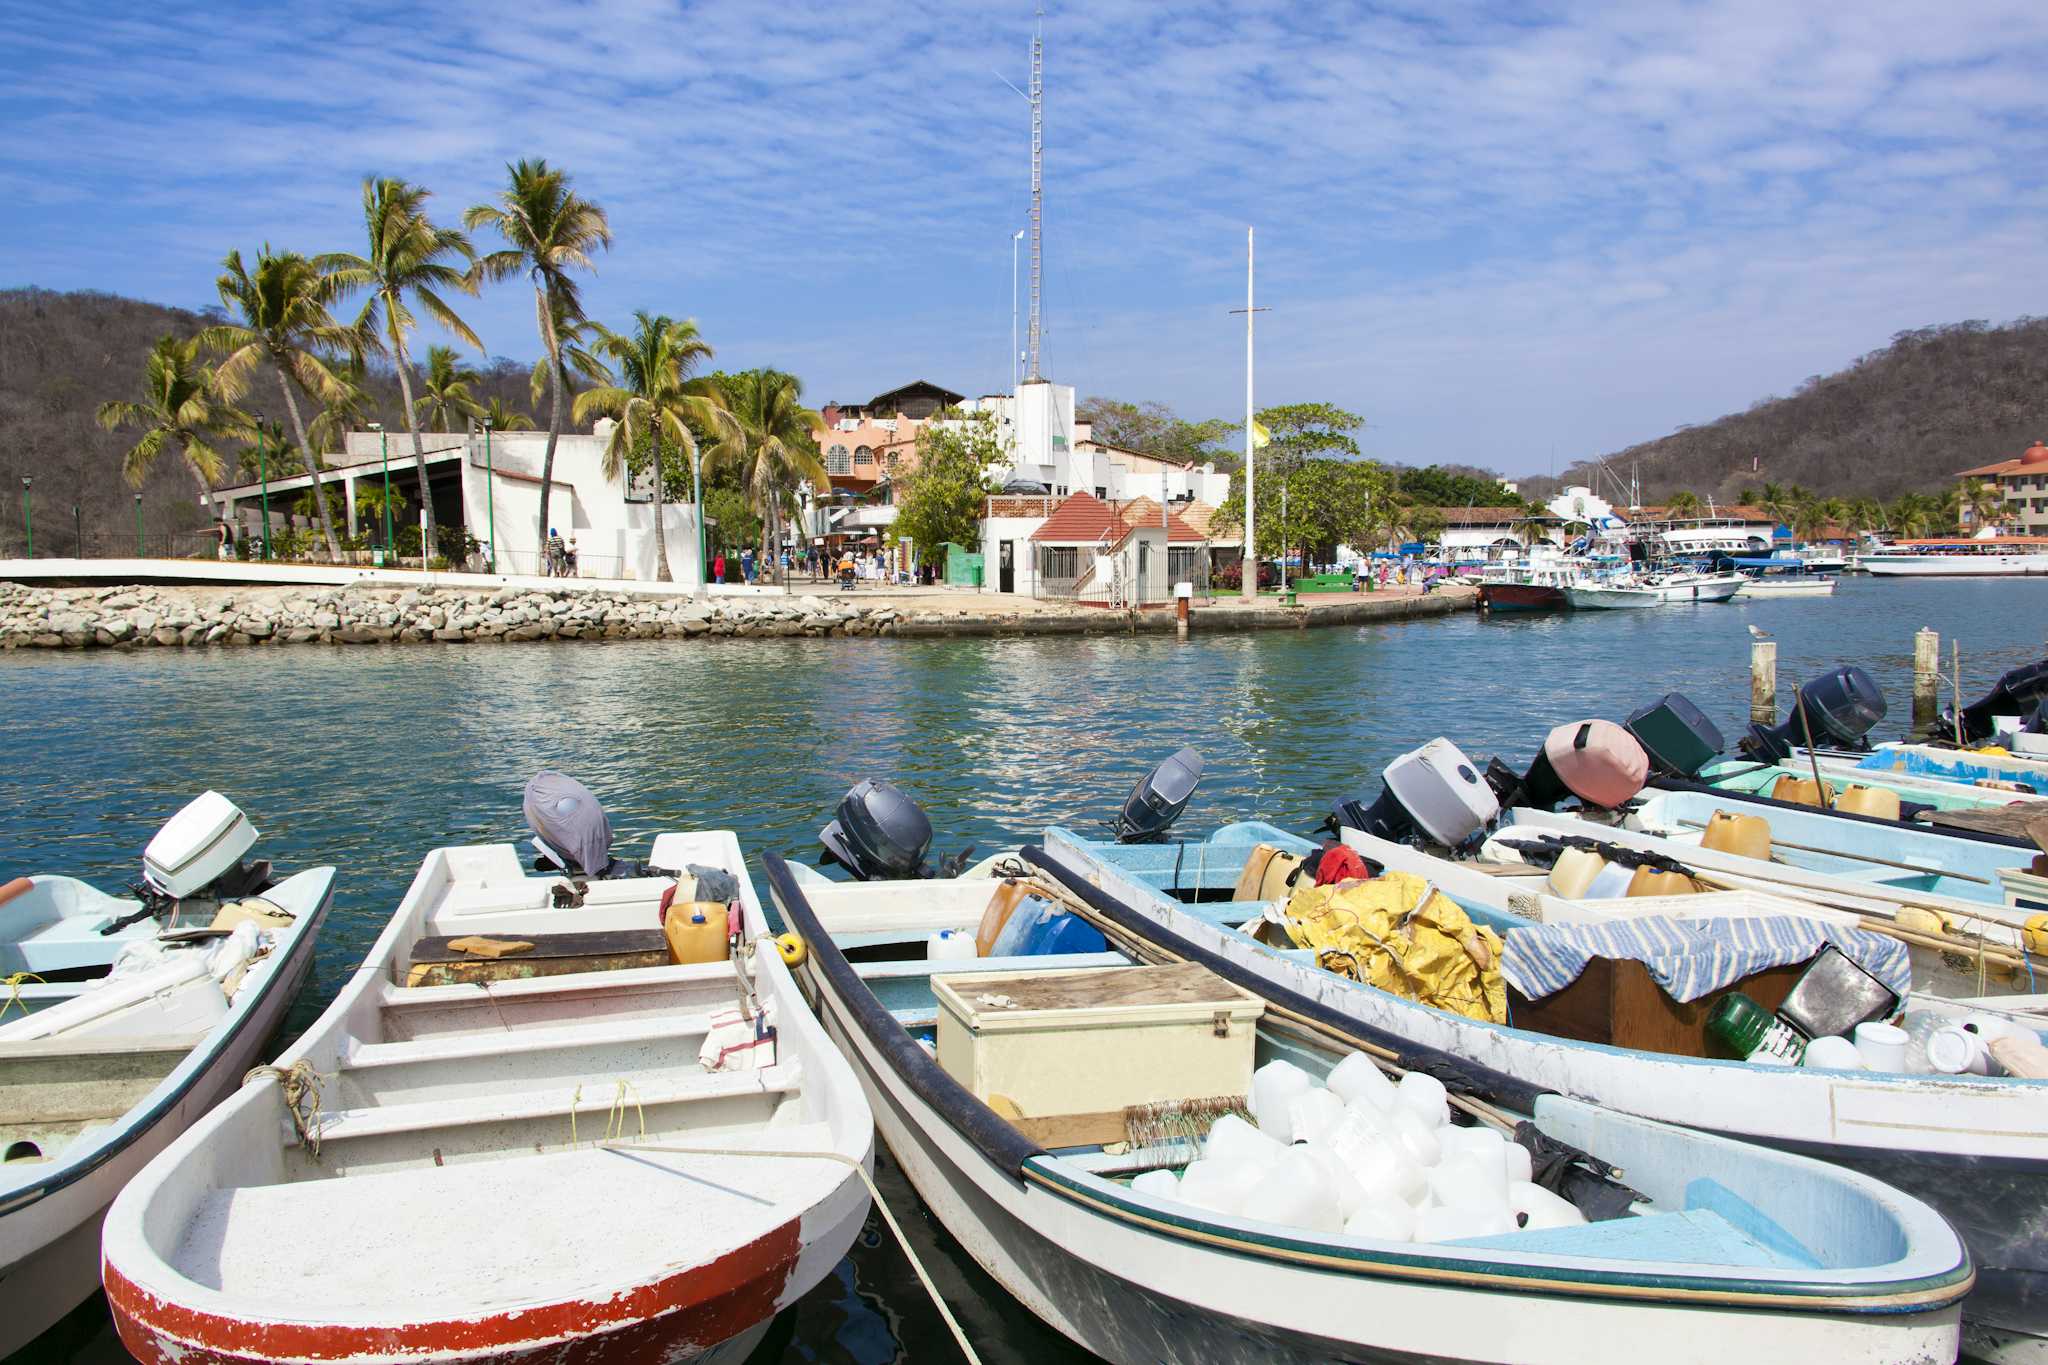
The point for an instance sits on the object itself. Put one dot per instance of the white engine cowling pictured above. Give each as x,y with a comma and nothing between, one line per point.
197,845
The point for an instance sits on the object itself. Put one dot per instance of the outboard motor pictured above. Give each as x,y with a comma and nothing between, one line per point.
1596,761
570,829
878,834
1434,793
1159,798
197,855
2019,693
1677,735
1841,707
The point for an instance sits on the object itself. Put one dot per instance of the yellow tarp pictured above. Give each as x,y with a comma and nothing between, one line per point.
1378,932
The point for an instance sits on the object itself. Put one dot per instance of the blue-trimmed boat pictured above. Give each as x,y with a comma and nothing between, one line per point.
1974,1147
1814,1263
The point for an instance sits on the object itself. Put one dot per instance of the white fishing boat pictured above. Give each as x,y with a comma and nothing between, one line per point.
551,1154
1653,590
191,986
1785,585
1108,1245
1979,556
1975,1147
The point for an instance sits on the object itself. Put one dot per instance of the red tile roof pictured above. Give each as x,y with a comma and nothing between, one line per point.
1084,519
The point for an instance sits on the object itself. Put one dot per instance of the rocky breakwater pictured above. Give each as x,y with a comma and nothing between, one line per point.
185,618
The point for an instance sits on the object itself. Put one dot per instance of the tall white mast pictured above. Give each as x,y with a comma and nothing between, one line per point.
1037,98
1249,561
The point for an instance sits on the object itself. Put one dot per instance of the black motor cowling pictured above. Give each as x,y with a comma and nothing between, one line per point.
1159,798
2019,693
879,834
1840,707
1677,735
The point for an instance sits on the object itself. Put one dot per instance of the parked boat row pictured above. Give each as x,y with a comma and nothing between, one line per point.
1635,1045
1547,582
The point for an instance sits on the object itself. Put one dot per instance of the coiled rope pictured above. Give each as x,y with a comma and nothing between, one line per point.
859,1168
14,985
301,1086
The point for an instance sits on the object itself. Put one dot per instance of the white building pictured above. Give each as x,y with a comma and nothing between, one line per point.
490,485
1048,447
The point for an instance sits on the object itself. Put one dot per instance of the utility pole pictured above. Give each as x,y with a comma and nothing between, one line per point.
1014,357
1249,562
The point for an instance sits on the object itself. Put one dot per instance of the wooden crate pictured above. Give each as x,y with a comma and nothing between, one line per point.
1063,1054
1617,1001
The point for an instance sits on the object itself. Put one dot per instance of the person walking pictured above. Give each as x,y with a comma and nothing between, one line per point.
718,567
747,565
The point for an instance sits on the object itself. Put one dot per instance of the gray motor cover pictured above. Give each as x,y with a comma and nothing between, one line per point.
879,833
568,819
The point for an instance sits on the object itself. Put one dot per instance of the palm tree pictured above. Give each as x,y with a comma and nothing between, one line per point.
1984,501
409,255
182,408
777,447
580,339
1860,515
1684,503
283,319
445,392
655,397
499,415
1909,514
253,460
549,231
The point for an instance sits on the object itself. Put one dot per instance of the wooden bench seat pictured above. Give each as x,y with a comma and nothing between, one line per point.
436,963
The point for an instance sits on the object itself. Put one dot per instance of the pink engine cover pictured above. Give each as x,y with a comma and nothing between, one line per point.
1601,763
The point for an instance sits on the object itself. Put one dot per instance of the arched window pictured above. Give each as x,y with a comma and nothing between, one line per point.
837,462
863,455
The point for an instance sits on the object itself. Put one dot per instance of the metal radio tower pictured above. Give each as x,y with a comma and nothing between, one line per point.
1037,98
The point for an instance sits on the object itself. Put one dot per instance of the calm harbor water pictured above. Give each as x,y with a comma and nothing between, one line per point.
367,756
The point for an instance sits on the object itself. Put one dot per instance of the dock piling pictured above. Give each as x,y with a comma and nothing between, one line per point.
1763,682
1926,679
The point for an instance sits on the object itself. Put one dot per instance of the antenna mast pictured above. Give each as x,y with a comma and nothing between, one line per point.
1037,98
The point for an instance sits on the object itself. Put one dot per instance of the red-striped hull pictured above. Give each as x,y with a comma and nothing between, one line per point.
673,1319
1520,597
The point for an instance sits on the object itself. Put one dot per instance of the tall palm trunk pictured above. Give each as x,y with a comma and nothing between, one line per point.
661,573
558,382
419,450
291,406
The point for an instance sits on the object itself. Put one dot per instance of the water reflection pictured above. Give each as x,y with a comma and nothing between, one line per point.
368,756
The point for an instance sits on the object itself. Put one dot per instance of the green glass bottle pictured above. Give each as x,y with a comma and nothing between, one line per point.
1752,1032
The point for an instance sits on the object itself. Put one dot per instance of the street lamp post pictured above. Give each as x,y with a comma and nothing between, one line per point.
490,498
28,520
138,528
77,532
384,445
263,474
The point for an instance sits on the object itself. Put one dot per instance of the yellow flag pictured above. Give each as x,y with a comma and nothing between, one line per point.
1261,438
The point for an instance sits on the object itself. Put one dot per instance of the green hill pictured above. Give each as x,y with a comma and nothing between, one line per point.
61,356
1902,419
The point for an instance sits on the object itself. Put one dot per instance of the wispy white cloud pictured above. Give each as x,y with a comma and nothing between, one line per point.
1493,229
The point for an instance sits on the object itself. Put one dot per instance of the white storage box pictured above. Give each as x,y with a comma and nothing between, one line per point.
197,845
1095,1041
2024,889
1442,792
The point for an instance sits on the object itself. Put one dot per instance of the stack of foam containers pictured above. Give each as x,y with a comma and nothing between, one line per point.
1364,1156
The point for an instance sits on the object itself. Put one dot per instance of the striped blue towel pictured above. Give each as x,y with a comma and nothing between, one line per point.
1691,958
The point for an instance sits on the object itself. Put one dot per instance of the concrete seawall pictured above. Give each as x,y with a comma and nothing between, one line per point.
128,617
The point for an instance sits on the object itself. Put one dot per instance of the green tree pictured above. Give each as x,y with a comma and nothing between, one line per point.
499,415
1155,429
267,440
1684,503
776,449
182,409
549,231
654,405
410,259
281,316
446,393
1984,501
348,408
1448,486
1327,503
1303,430
1910,514
1860,515
941,498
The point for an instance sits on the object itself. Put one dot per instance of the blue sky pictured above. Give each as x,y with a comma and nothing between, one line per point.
1506,234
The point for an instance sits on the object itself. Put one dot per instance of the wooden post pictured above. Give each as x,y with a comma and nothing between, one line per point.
1926,679
1180,616
1763,682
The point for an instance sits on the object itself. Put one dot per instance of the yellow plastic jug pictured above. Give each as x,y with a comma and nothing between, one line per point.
1881,802
1648,881
696,932
1802,791
1745,836
1574,873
